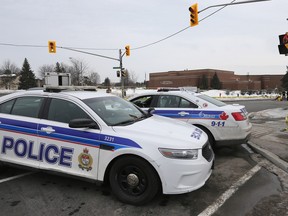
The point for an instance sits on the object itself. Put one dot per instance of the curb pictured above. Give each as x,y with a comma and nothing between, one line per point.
270,156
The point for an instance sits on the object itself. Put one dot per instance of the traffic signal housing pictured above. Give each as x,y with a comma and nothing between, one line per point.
123,73
127,50
52,46
193,15
283,47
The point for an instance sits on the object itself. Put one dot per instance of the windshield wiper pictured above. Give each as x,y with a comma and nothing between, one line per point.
126,122
136,118
130,121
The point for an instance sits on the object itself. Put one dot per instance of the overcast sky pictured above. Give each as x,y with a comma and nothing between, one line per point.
242,38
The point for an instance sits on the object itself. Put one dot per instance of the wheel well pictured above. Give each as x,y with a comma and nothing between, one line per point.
107,171
206,130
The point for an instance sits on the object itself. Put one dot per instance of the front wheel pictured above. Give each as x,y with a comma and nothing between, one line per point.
133,180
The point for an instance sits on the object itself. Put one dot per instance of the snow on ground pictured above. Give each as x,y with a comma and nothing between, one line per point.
219,94
271,113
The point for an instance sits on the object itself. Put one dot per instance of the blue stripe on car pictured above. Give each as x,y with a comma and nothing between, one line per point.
66,134
195,114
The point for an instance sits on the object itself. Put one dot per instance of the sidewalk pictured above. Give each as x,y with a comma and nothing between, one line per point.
269,137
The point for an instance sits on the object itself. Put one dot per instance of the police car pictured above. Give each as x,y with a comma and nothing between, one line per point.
102,137
225,124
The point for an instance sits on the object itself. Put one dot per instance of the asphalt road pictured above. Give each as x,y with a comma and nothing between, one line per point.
236,187
258,105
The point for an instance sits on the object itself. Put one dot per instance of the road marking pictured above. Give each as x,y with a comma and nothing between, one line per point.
14,177
227,194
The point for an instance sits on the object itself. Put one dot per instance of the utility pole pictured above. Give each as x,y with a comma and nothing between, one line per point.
121,69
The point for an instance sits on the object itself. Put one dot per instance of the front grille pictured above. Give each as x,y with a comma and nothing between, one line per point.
207,152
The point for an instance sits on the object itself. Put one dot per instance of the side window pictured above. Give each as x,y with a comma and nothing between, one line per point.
173,101
25,106
143,102
7,107
64,111
163,101
187,104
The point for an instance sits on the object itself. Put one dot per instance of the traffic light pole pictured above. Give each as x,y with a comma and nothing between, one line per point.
234,3
120,61
121,69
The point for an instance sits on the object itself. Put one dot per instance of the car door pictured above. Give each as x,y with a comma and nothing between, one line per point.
18,130
69,150
174,106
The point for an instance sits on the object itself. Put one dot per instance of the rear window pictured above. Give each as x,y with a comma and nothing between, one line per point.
212,100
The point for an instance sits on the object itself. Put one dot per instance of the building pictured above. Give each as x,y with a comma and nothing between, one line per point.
228,80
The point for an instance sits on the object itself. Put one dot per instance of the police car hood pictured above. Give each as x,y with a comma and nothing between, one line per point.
160,129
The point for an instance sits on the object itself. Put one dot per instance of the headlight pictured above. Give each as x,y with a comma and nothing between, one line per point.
179,153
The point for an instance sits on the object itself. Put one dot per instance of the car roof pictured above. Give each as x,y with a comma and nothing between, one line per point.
77,94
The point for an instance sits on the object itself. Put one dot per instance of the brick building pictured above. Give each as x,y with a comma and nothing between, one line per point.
228,79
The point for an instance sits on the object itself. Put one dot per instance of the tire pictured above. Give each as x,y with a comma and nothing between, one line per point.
133,180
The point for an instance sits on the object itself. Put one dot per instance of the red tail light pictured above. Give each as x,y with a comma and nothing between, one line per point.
239,116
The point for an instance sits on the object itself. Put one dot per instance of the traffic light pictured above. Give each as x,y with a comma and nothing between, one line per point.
52,46
127,50
118,73
283,47
123,73
193,15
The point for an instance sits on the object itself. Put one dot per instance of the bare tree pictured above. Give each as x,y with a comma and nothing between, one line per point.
45,68
9,68
93,79
9,73
78,70
130,79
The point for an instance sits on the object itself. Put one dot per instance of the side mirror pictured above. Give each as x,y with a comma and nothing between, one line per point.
151,110
83,123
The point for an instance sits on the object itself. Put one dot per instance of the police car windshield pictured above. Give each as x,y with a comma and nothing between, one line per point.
115,111
212,100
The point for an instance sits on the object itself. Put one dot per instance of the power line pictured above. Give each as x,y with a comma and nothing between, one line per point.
144,46
114,49
21,45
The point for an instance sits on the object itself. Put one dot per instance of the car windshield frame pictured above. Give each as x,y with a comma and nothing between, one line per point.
115,111
211,100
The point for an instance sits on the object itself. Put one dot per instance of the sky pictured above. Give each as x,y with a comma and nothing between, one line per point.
240,38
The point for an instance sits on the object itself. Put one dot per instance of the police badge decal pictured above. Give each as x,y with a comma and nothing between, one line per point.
85,160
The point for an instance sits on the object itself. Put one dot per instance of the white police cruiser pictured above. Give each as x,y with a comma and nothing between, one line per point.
224,124
105,138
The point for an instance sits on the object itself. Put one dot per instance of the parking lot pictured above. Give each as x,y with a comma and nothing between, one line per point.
236,187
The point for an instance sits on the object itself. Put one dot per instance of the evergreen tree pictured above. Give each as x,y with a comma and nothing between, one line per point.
107,82
204,82
215,82
27,77
285,80
58,68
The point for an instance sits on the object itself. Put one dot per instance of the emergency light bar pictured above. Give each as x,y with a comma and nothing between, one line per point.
69,88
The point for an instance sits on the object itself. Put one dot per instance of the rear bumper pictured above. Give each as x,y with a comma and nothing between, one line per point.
232,142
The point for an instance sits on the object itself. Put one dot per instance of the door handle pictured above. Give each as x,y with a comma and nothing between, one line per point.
48,129
183,113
